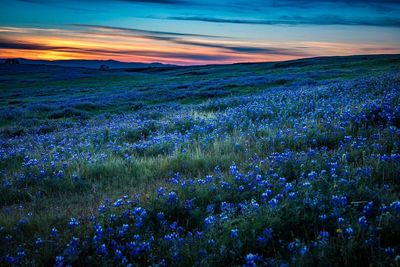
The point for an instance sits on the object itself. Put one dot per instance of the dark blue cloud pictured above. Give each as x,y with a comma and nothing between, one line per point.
167,2
303,3
301,20
143,32
291,3
246,49
156,35
181,39
9,44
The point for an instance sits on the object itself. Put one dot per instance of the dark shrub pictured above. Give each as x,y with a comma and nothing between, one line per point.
12,131
66,113
87,106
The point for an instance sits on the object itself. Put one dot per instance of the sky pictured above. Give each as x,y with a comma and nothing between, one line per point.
191,32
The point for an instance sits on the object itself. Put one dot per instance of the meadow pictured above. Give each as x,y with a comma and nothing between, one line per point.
268,164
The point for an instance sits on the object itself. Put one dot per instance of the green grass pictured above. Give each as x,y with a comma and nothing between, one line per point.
62,105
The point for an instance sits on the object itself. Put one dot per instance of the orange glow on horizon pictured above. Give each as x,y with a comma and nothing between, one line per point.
53,44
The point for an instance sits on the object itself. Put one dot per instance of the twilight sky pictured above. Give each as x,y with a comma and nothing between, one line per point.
197,31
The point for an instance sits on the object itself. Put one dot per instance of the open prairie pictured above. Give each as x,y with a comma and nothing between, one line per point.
269,164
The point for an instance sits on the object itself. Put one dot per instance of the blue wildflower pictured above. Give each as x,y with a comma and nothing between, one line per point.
251,260
349,231
367,210
173,197
323,217
389,251
102,208
73,223
119,202
396,206
234,233
160,216
210,220
362,221
324,234
59,261
160,191
54,232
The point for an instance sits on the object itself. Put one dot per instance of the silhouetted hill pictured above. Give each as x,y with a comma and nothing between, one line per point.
92,64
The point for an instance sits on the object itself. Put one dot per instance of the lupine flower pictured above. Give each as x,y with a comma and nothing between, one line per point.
343,200
234,233
160,191
210,220
251,260
59,262
73,223
160,216
118,254
303,250
368,208
266,194
233,169
172,197
119,202
362,221
312,175
288,187
75,177
349,231
324,234
173,225
39,241
210,208
396,206
389,251
54,232
102,208
60,174
273,203
102,250
170,237
113,217
262,240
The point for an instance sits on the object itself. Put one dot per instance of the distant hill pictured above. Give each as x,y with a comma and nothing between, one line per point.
91,64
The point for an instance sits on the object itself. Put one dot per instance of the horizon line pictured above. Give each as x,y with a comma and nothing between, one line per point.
211,64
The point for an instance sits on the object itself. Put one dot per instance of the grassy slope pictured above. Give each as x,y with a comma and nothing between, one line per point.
44,93
52,103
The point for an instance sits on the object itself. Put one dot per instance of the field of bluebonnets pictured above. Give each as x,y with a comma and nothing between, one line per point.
273,164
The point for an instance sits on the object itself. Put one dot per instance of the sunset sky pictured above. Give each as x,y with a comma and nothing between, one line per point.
197,31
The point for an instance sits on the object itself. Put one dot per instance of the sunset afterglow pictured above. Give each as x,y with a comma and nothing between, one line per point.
179,32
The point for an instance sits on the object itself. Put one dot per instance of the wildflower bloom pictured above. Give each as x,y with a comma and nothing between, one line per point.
172,197
59,261
324,234
102,208
362,221
210,220
73,223
349,231
119,202
251,260
234,233
54,232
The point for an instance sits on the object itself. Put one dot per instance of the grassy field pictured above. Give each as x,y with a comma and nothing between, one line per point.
270,164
